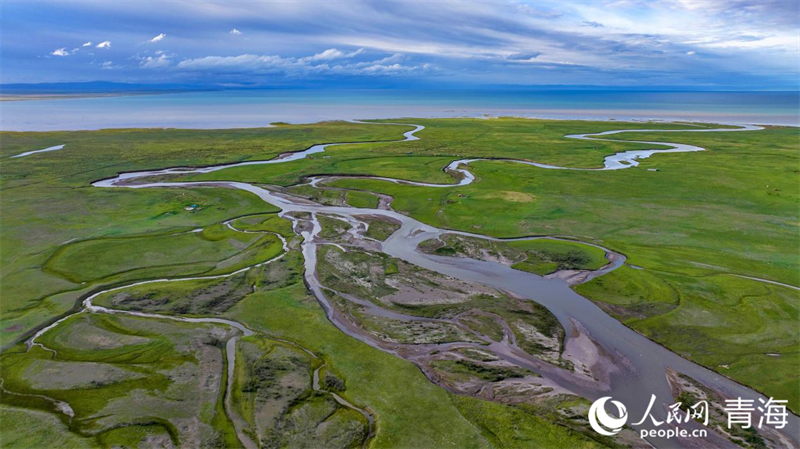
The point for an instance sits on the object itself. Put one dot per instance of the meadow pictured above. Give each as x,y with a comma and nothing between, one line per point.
730,210
410,410
538,256
49,207
687,229
693,225
123,378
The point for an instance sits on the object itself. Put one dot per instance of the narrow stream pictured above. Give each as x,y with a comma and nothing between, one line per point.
230,346
28,153
643,370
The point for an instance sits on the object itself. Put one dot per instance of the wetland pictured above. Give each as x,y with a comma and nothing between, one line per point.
397,261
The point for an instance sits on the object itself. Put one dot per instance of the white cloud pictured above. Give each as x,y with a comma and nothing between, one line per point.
88,44
397,57
524,56
108,65
635,32
309,65
104,44
421,47
158,38
783,43
150,62
332,53
690,53
394,69
60,52
246,61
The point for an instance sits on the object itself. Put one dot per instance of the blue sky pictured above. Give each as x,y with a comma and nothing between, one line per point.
705,43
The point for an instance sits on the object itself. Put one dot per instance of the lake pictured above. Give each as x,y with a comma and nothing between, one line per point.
253,108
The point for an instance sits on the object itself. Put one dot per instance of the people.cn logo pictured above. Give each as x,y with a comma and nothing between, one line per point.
602,422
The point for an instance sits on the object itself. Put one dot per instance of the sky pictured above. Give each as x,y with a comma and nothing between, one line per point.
714,44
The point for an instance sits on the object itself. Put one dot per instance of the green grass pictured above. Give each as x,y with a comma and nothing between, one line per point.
265,223
274,396
442,141
632,293
47,198
364,200
332,228
345,160
402,398
724,322
731,209
91,260
411,412
466,369
507,426
543,255
131,436
121,372
206,296
98,154
381,229
16,430
40,219
539,256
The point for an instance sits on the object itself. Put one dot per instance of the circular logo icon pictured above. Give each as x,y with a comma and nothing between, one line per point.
602,422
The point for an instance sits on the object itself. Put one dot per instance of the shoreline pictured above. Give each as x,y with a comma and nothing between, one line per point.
650,120
243,109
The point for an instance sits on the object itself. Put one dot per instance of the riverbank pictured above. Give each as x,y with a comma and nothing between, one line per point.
643,373
482,190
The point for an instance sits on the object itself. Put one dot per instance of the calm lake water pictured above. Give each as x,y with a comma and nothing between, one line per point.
230,109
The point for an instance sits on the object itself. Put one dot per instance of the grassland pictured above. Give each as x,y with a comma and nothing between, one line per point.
265,223
539,256
273,393
699,219
209,250
336,197
743,329
48,200
380,229
506,426
50,255
411,412
154,377
205,297
442,141
729,210
48,431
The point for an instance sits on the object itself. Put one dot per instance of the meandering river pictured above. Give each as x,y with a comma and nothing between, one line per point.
642,370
